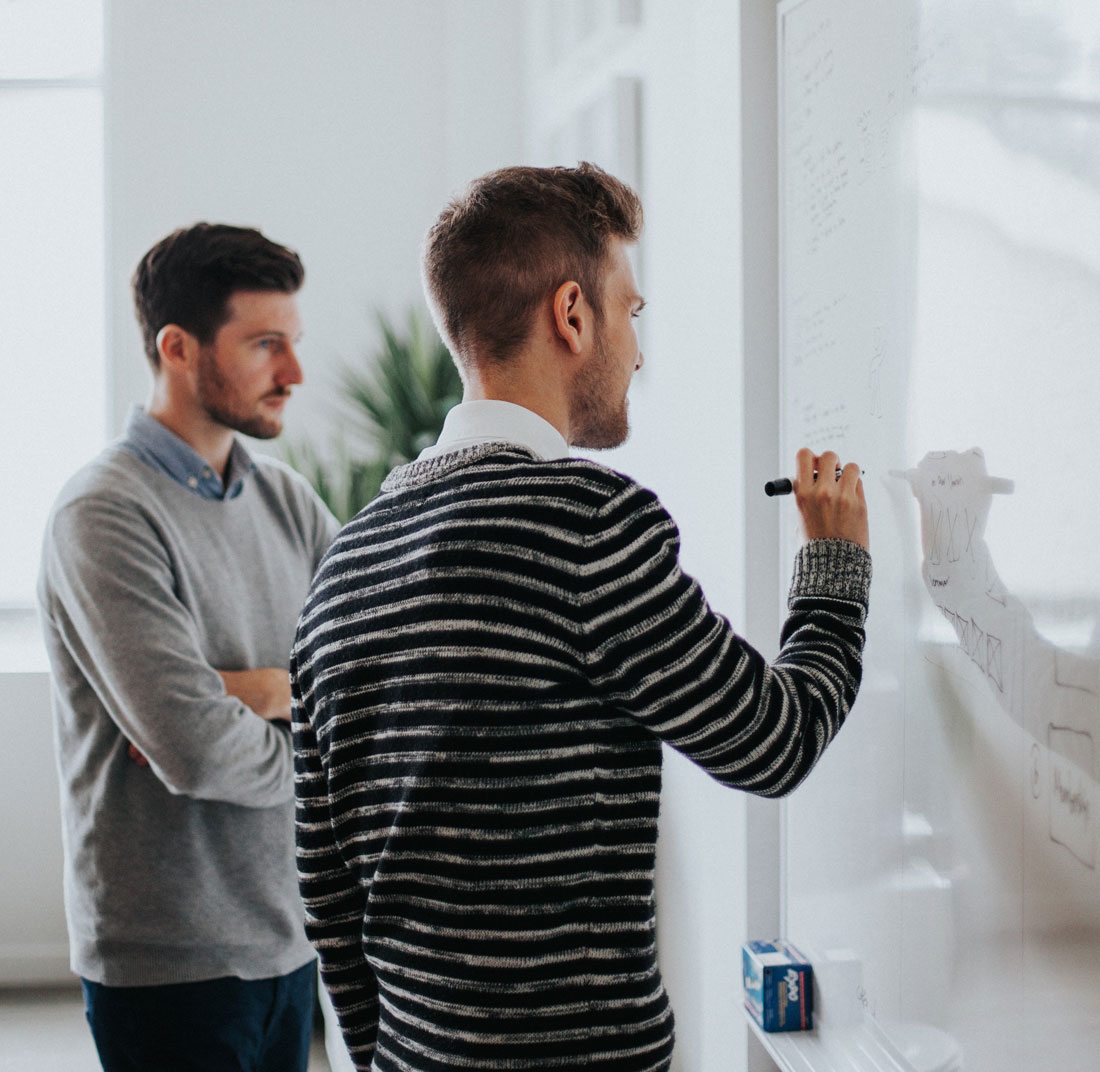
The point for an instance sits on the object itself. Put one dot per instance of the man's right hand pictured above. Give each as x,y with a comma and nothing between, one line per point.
832,508
266,690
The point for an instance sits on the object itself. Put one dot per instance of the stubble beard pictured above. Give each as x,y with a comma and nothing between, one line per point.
222,403
597,419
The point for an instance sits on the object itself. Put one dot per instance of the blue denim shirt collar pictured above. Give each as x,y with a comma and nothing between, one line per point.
148,440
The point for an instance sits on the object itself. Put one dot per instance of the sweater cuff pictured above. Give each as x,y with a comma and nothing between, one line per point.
839,569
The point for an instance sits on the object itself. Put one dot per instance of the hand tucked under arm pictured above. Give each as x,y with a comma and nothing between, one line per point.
266,690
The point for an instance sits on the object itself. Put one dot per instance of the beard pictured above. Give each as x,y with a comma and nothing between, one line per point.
223,403
598,418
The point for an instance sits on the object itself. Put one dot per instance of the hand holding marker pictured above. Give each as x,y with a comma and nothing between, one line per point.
783,485
830,509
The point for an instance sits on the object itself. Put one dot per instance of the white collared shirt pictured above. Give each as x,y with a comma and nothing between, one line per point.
493,421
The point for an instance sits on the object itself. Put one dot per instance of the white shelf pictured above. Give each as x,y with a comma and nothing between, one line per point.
861,1048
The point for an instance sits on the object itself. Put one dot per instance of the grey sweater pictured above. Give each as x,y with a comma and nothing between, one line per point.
182,870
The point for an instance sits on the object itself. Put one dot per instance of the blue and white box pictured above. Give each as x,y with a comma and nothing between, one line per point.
779,986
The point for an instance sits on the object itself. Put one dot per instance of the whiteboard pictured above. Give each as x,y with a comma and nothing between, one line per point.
940,324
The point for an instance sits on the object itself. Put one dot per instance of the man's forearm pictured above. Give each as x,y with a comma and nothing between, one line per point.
265,690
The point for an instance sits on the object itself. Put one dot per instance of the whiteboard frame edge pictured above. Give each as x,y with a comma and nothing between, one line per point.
782,11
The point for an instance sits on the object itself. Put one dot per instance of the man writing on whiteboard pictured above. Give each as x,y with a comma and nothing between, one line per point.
494,650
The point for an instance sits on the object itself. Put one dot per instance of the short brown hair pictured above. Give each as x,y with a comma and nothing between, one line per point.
510,240
188,278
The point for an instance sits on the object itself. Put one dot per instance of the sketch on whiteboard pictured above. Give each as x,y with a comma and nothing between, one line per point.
930,40
1052,693
874,374
985,649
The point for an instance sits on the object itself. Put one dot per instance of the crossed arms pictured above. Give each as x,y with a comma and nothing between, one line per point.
110,596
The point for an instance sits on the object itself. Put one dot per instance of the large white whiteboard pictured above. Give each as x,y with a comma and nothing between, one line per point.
940,292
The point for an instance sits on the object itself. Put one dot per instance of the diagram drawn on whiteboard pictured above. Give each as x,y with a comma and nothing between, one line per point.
1051,693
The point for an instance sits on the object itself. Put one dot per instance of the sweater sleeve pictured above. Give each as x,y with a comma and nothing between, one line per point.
113,603
334,902
659,653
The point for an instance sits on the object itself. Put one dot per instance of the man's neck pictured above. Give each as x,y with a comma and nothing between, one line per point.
538,396
211,441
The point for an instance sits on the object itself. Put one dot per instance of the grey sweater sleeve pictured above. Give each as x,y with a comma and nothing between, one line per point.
111,598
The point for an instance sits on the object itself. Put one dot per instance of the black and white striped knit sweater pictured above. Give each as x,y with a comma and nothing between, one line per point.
490,656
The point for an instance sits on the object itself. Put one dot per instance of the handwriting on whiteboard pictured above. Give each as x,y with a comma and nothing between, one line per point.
817,328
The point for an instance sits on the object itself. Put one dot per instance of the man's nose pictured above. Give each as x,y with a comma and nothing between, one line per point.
640,362
291,372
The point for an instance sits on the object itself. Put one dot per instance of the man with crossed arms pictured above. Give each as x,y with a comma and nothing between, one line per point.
174,567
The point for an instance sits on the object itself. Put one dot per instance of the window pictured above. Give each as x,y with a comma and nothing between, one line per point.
52,255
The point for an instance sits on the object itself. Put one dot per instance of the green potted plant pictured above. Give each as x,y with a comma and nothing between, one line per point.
394,406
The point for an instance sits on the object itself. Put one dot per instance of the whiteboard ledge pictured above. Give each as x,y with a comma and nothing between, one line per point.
861,1048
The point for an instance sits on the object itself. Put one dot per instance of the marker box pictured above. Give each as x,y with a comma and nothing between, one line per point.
779,986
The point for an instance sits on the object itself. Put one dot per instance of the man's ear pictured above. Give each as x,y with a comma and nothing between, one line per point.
572,316
176,347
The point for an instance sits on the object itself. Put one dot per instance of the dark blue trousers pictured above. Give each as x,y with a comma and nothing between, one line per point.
218,1025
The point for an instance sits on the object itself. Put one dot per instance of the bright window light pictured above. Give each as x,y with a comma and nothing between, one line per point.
52,315
50,39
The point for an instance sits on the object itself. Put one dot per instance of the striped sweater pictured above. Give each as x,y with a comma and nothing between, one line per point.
490,657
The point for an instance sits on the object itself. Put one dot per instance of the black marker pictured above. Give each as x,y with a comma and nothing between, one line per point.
784,485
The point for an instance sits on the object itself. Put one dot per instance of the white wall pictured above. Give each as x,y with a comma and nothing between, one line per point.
336,126
33,944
